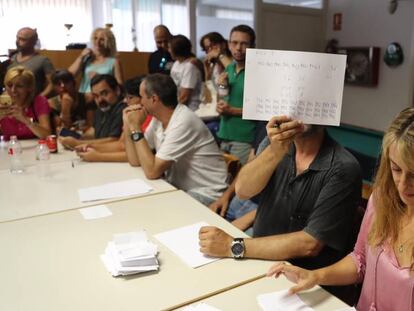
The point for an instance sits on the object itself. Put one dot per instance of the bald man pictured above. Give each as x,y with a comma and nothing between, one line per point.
27,57
160,61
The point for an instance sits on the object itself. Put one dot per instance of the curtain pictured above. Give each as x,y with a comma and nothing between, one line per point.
49,18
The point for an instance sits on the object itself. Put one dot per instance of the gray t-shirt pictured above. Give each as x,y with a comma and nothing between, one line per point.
39,65
109,124
321,201
198,163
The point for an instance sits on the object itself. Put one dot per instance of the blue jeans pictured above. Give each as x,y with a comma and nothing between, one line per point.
239,149
205,200
238,208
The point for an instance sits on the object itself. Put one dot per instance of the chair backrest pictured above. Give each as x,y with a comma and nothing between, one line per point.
233,165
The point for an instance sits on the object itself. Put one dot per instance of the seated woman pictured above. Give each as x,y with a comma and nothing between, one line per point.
28,116
383,257
114,151
69,106
101,59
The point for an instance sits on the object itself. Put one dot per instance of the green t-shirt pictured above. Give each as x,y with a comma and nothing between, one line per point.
234,128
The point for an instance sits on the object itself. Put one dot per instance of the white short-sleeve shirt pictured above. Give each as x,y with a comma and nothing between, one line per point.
198,164
188,76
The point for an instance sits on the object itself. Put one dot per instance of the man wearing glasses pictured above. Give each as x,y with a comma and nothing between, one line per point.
236,134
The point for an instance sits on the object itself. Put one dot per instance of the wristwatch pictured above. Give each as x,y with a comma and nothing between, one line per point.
237,248
136,136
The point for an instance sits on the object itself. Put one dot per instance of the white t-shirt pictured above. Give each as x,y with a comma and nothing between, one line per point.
188,76
198,163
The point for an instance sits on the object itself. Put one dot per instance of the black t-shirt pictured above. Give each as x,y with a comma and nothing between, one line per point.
160,61
321,201
109,124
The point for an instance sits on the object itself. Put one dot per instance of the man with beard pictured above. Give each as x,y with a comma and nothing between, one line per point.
160,61
310,188
107,124
27,57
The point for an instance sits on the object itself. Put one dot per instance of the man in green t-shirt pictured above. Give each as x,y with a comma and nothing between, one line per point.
236,134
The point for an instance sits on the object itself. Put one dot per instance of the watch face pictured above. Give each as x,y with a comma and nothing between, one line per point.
137,136
237,249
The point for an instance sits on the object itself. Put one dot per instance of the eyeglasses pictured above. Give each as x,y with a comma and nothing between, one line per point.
242,44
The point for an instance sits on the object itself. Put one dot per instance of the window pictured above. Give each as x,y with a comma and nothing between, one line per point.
51,30
314,4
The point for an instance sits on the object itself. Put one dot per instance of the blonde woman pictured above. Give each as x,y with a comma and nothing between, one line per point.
383,257
101,59
28,115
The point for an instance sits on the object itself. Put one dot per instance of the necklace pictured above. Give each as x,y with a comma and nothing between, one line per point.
401,246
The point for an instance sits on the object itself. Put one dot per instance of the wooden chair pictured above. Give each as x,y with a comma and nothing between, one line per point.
233,165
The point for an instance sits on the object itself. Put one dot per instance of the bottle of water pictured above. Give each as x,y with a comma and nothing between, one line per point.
15,155
223,91
42,155
3,144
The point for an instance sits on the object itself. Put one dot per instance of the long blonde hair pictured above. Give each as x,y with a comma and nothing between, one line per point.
24,75
389,208
109,43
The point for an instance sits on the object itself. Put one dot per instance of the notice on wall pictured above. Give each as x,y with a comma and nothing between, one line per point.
303,85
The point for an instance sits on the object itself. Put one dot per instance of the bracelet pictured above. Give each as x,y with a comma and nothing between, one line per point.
221,56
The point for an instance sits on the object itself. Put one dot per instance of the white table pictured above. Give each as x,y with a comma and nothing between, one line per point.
25,195
52,262
244,296
29,155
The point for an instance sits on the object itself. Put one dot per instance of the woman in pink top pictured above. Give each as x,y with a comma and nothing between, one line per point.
383,257
28,116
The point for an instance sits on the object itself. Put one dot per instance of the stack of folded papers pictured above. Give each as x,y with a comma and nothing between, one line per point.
130,253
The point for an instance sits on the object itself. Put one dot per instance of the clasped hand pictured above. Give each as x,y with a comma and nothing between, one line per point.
134,116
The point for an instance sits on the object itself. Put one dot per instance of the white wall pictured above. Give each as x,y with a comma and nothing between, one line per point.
368,23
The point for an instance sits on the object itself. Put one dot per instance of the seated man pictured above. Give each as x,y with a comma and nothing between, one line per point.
186,152
114,151
310,187
107,124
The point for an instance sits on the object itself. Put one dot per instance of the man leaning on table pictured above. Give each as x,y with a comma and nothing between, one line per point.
185,150
107,123
310,187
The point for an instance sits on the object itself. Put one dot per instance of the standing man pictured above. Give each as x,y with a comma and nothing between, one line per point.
185,150
160,61
235,133
107,124
27,57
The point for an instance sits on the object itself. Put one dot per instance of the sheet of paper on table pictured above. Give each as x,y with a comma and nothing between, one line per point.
281,301
304,85
184,243
95,212
114,190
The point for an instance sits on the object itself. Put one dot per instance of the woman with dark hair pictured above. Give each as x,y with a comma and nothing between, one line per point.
218,55
70,106
185,73
383,257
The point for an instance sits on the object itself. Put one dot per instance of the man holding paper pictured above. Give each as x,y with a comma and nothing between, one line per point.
185,150
310,187
236,134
